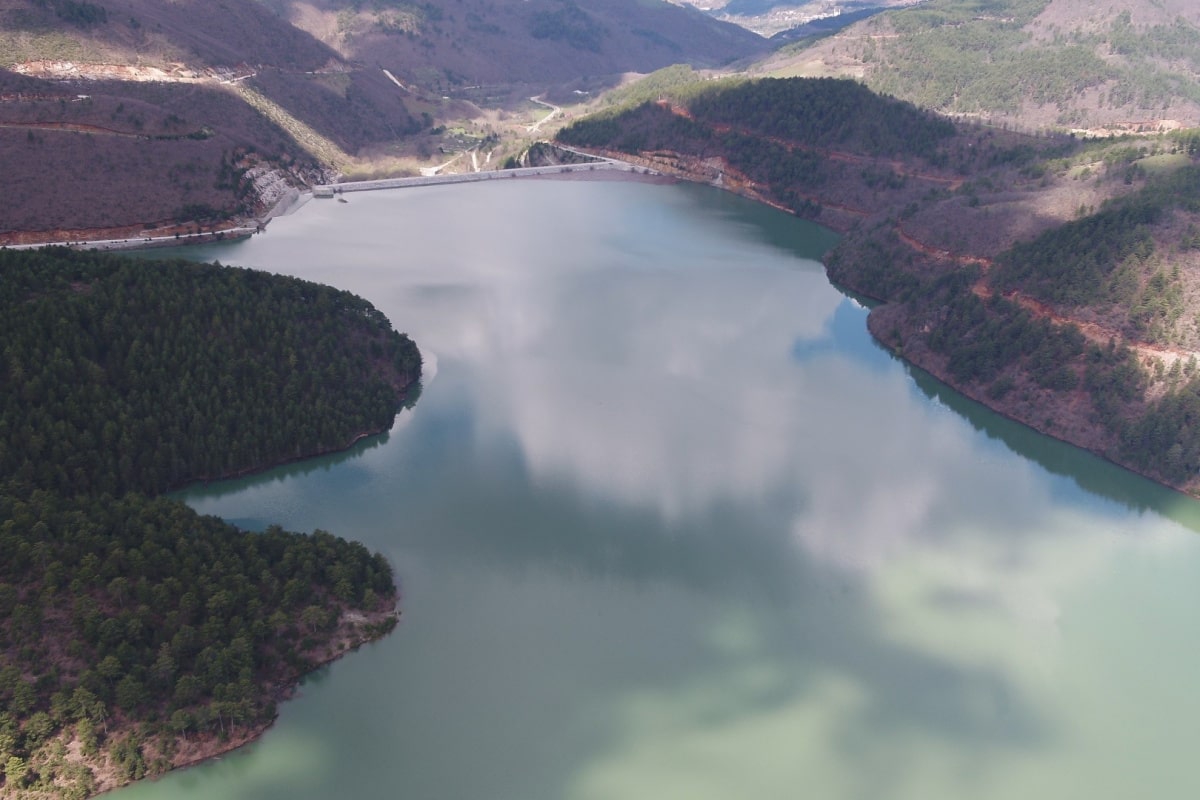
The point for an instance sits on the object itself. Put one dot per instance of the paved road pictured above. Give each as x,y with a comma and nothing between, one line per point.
554,111
135,242
609,164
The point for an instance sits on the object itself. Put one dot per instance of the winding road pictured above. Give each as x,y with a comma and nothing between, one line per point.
554,111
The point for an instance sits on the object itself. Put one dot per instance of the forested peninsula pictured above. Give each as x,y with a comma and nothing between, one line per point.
1054,279
136,635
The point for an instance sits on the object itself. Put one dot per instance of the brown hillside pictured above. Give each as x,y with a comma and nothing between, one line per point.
198,34
445,45
354,108
109,154
134,90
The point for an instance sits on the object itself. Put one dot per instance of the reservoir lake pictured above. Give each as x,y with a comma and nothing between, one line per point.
667,523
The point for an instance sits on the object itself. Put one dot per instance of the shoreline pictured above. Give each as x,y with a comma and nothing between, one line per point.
640,170
115,239
165,754
635,169
248,471
938,372
754,192
354,630
166,234
175,235
113,740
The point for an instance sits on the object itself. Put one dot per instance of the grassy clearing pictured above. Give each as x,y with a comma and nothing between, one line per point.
17,47
816,68
1164,163
319,146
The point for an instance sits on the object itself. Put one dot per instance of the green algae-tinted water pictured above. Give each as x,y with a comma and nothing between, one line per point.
669,525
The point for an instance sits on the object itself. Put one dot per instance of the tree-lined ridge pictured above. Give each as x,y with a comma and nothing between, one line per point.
136,635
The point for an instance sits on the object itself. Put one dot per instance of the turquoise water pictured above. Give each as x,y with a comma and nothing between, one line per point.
667,523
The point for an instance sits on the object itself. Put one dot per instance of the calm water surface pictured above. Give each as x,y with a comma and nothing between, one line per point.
669,525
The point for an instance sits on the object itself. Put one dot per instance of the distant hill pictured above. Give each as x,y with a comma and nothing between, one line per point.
108,154
800,17
827,149
1124,65
118,114
433,44
196,34
445,45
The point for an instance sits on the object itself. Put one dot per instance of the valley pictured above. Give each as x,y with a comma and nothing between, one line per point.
639,396
238,136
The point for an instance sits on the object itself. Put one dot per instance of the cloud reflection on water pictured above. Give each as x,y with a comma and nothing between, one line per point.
803,551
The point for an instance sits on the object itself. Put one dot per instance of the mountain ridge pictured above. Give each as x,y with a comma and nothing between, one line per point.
1034,64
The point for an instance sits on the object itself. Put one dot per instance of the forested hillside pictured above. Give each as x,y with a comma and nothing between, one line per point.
822,148
136,635
1087,331
823,113
1124,65
121,376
